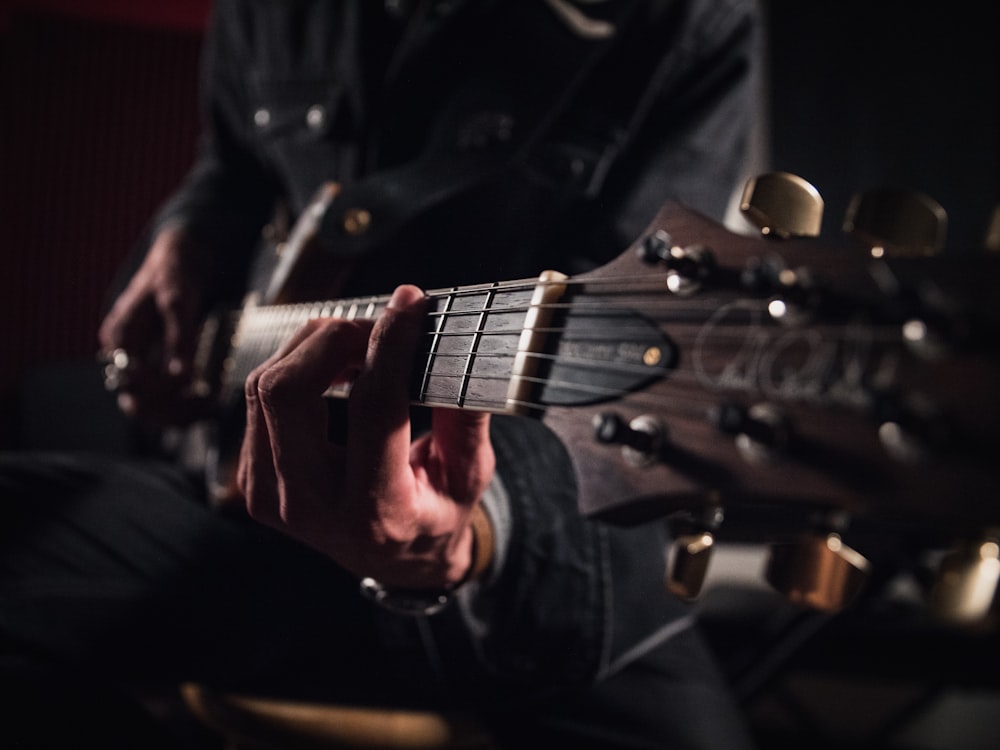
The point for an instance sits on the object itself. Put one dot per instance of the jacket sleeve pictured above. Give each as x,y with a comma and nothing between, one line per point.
570,599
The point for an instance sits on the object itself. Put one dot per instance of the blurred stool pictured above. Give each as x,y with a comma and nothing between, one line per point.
257,723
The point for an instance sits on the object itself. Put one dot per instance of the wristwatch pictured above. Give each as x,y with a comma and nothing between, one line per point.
415,602
411,602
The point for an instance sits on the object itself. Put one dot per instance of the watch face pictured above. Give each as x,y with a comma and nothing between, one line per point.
405,601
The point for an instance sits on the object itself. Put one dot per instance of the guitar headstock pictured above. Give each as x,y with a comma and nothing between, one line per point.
825,382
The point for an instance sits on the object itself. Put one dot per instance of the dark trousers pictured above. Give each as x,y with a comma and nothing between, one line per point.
116,580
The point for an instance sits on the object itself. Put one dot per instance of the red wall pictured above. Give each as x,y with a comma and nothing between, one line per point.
99,122
188,15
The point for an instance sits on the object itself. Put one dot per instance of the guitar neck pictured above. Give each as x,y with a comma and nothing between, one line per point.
469,357
702,367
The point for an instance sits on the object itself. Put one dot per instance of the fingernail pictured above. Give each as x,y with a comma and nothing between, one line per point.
175,366
404,296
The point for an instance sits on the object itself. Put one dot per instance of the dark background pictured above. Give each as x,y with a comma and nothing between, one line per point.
868,94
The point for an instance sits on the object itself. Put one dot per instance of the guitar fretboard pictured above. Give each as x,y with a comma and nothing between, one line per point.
466,359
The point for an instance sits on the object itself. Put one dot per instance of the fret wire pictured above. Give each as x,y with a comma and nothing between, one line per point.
474,346
435,343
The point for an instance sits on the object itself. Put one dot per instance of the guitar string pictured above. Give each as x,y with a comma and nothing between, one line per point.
667,312
268,341
724,334
675,404
708,394
287,318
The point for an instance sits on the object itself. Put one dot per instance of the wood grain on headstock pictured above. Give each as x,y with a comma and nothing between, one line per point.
826,381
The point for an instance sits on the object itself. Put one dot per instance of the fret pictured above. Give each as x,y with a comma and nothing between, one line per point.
477,335
487,323
440,319
472,341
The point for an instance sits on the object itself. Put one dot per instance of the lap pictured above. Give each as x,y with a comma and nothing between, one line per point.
119,567
120,562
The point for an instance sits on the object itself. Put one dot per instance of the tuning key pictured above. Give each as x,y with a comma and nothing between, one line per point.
641,439
783,205
761,431
688,564
992,239
688,267
967,581
897,223
818,571
691,553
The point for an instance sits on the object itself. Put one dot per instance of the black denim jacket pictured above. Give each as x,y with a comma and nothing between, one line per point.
489,140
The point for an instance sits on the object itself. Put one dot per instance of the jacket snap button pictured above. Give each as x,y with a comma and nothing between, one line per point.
315,116
356,221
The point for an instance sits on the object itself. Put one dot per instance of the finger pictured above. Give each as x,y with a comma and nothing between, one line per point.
462,453
255,472
380,401
291,396
128,326
178,331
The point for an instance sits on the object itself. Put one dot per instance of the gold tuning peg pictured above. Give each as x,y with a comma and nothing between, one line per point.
967,582
895,222
782,205
818,571
992,241
691,550
688,566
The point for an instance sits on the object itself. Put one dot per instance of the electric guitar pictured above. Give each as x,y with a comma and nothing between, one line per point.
704,368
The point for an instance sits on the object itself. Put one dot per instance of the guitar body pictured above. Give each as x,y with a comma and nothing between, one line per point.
291,268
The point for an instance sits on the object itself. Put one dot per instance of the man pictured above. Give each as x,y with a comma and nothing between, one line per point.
396,563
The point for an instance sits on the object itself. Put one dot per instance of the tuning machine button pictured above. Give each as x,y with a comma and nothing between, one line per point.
817,570
910,428
691,553
924,339
761,432
799,295
794,294
992,239
641,439
897,223
782,205
966,585
687,267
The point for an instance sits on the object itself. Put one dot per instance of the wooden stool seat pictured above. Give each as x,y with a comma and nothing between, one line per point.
258,723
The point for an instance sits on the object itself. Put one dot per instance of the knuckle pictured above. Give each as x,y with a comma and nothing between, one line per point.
250,385
274,388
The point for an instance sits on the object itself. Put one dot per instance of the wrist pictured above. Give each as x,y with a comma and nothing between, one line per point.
483,544
414,602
